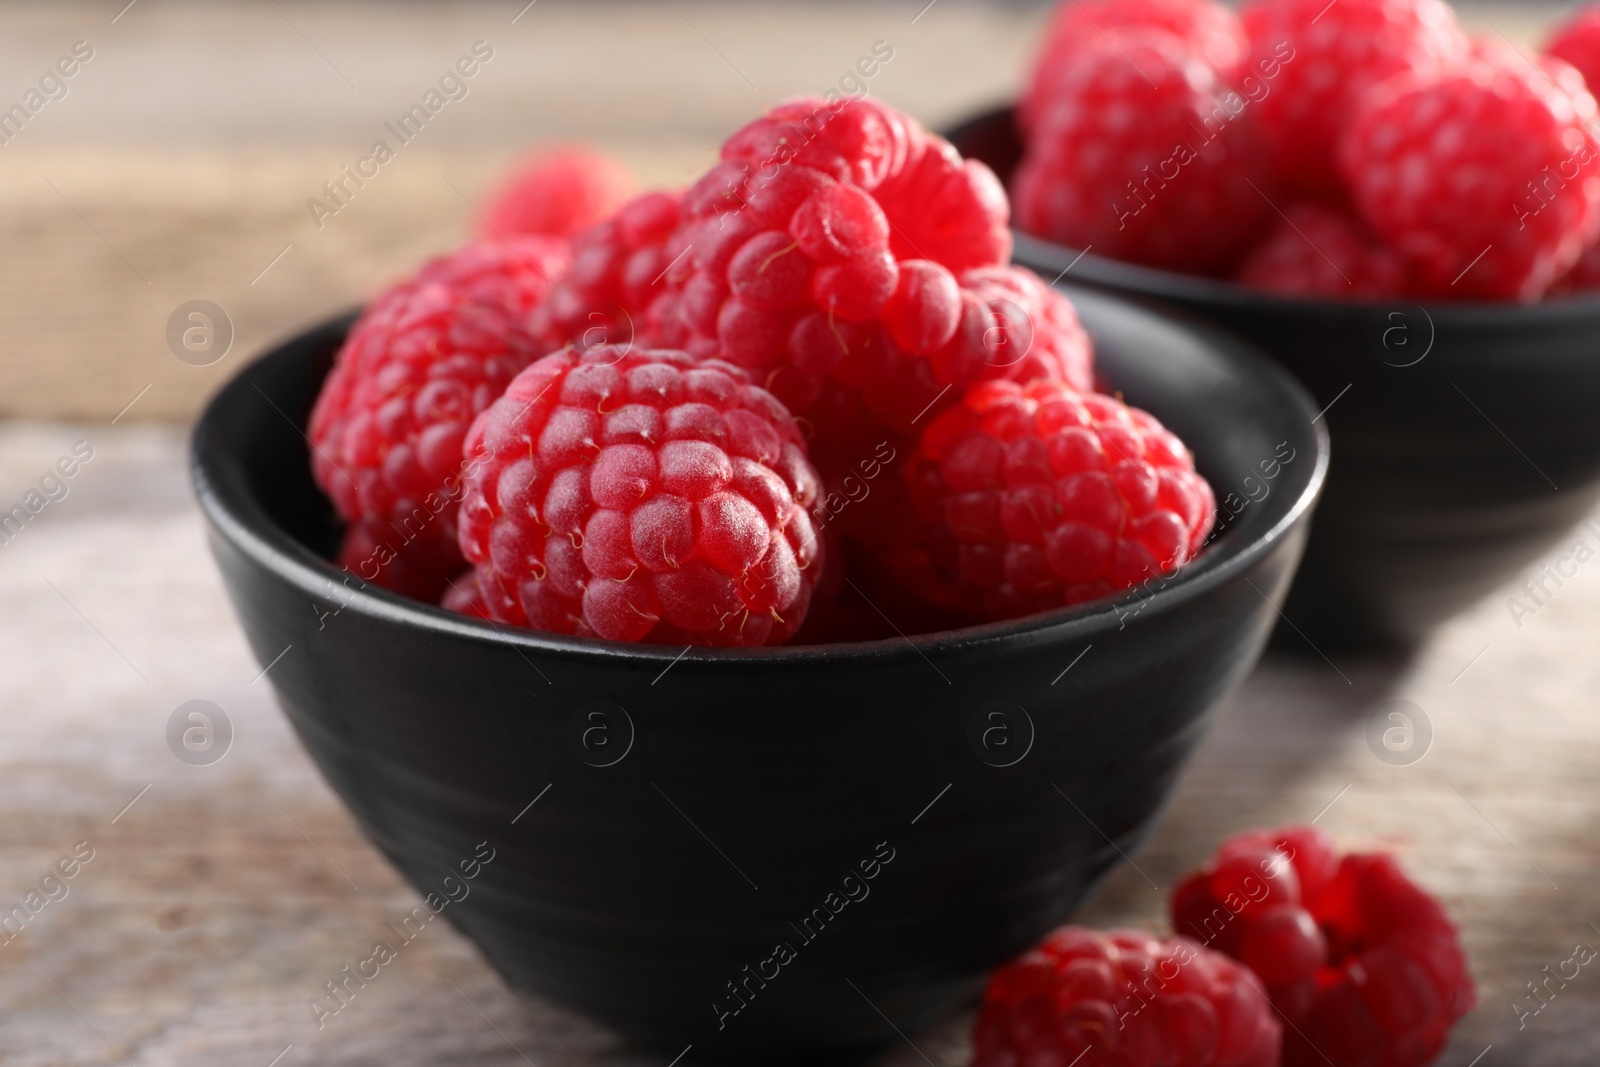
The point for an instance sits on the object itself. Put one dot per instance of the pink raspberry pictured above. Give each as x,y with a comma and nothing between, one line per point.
1578,42
514,274
1322,251
1326,57
1124,999
558,191
465,597
618,272
1140,152
1210,30
1366,966
853,264
386,430
641,495
1486,180
1028,498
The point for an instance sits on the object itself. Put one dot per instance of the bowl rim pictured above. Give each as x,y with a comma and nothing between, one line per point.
237,515
1195,290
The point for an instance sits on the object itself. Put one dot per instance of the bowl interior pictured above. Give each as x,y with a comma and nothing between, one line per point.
1248,423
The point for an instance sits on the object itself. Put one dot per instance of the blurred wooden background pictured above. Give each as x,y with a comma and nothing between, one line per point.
179,163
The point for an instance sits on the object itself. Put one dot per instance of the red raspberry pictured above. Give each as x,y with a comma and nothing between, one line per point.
1583,277
1322,251
618,271
851,263
641,495
1031,497
464,596
1365,964
1486,180
1124,999
1578,42
413,566
1138,154
386,430
1318,60
513,273
558,191
1212,32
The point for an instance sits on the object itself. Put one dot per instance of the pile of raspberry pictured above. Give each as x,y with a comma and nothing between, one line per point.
1284,953
1360,150
806,393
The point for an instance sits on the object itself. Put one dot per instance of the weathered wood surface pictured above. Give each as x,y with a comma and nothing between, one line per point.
216,905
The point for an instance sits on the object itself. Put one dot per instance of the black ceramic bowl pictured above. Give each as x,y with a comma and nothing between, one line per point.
900,815
1468,434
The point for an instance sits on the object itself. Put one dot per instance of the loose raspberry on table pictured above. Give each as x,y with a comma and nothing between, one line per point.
558,191
1325,58
1210,30
1323,251
1031,497
618,274
641,495
1141,153
1082,998
1578,42
1366,965
386,431
831,246
1486,180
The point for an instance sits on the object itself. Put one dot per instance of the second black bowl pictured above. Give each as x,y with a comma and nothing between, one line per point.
1467,435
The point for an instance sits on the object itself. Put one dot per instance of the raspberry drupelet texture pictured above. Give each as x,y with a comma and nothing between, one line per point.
558,191
1140,152
641,495
1124,999
1323,251
1366,966
513,273
386,431
618,273
847,259
1325,58
1028,498
1487,180
1208,29
1578,42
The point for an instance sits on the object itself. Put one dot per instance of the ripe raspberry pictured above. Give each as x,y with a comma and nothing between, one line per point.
417,567
1318,60
1578,42
641,495
851,263
386,430
1212,32
1322,251
1140,152
1366,965
1584,277
1486,180
618,270
513,273
558,191
1027,498
464,596
1124,999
